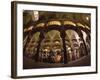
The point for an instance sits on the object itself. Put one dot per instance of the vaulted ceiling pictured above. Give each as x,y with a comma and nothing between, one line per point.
29,17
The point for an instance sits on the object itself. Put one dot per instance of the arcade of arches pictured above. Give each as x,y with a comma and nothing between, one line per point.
55,39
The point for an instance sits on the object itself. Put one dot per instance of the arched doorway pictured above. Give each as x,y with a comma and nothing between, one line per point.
51,47
31,46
